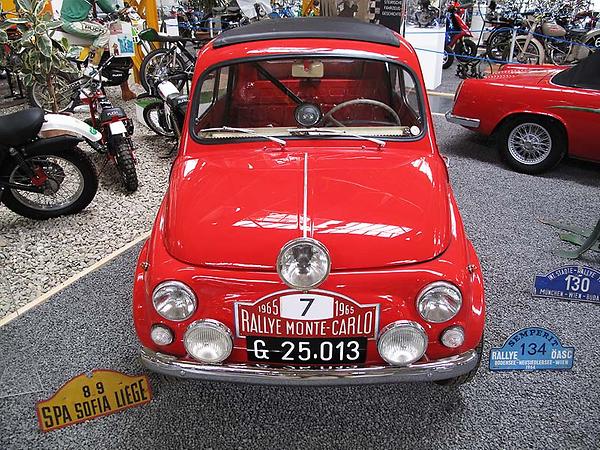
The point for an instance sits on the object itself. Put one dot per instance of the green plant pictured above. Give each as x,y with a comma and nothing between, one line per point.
40,58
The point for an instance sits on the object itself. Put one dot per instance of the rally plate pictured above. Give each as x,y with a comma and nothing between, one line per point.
316,314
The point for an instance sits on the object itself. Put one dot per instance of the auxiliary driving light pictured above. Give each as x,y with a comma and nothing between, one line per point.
161,335
402,343
174,300
208,341
439,302
453,337
303,263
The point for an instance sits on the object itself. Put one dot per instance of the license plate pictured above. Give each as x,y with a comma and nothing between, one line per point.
306,351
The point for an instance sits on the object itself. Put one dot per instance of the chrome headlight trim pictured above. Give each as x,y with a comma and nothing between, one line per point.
303,240
421,299
402,324
178,285
215,325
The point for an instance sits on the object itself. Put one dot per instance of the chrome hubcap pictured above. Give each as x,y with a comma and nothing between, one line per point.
529,143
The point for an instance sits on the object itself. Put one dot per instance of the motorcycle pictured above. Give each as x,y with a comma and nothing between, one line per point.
426,15
166,115
44,177
114,125
546,39
457,34
115,130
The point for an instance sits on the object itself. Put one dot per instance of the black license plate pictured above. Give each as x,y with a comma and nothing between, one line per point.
307,350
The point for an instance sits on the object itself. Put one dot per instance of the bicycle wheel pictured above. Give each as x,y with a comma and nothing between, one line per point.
160,63
498,43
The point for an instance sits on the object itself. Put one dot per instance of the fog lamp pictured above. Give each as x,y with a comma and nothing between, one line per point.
453,336
161,335
303,263
174,300
439,302
208,341
402,343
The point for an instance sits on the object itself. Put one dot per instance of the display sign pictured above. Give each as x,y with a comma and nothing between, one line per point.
88,397
120,43
571,283
531,349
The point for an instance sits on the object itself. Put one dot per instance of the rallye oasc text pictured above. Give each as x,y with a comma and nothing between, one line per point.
309,233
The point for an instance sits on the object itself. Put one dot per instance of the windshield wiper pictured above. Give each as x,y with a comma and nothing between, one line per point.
300,131
244,131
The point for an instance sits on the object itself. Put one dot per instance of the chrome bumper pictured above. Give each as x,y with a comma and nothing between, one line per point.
241,373
464,121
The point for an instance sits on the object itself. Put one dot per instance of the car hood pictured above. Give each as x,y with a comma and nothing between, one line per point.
523,74
370,209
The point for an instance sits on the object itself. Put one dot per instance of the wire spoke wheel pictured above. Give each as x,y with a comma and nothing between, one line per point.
529,143
63,185
159,64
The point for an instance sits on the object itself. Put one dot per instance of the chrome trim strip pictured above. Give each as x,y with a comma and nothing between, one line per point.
440,369
464,121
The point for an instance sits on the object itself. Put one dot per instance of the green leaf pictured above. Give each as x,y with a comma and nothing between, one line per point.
38,6
28,79
14,20
3,37
54,24
24,6
44,44
65,44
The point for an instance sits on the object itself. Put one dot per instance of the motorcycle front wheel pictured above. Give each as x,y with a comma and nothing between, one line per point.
67,182
39,97
159,63
465,50
156,119
122,149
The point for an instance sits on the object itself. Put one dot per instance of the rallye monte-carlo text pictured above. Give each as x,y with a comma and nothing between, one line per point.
309,233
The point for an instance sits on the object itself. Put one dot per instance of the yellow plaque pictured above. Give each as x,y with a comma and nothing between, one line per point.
84,398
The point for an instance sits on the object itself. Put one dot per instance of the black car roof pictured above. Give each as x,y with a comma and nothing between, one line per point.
308,28
584,75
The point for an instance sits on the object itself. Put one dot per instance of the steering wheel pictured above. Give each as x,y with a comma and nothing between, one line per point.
359,101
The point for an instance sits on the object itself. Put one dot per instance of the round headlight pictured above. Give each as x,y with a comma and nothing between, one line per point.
208,341
303,263
161,335
453,337
402,343
174,300
439,302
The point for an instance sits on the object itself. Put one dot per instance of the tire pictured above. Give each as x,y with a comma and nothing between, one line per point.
154,117
467,377
37,94
448,58
593,41
467,48
160,58
18,201
533,54
498,43
517,140
122,149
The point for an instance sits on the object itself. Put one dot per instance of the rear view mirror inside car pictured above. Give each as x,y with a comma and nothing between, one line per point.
308,69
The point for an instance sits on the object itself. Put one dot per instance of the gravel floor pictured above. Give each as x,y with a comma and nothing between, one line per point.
36,256
89,326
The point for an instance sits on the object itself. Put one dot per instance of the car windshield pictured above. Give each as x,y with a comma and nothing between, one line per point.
585,75
347,97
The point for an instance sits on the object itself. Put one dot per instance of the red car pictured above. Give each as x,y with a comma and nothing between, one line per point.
539,114
309,233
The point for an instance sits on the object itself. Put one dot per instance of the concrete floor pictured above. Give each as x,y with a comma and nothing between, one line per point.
89,326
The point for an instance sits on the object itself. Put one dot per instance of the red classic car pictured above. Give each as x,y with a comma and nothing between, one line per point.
539,114
309,233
